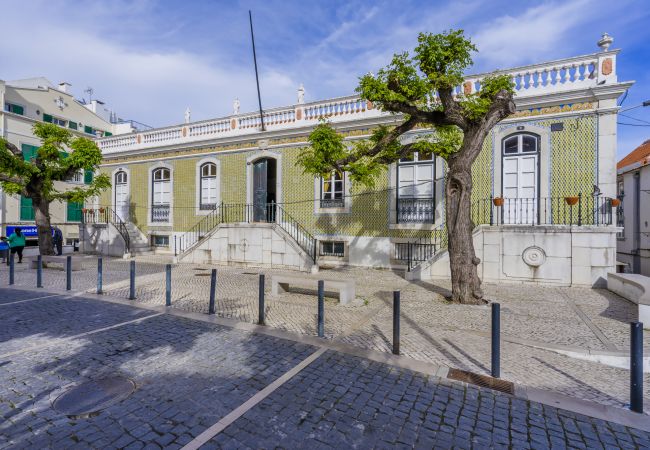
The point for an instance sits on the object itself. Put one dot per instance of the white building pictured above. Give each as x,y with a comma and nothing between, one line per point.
25,102
633,247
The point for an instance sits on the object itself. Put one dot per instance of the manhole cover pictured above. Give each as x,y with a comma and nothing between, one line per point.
88,399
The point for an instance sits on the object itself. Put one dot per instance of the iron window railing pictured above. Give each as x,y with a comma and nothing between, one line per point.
160,213
415,210
332,203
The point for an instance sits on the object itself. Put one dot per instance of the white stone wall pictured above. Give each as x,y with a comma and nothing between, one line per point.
255,245
102,239
560,255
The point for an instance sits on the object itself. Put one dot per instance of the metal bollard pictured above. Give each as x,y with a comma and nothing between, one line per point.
396,308
39,272
636,367
168,285
496,340
321,308
68,273
100,275
132,279
213,290
260,320
11,269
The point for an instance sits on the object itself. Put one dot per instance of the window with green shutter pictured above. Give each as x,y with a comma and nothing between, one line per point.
13,108
72,125
74,211
29,151
88,129
88,176
107,133
47,118
26,210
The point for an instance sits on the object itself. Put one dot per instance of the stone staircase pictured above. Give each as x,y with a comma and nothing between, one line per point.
139,243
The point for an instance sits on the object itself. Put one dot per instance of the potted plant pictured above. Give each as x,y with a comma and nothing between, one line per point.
84,210
571,200
616,202
498,201
101,210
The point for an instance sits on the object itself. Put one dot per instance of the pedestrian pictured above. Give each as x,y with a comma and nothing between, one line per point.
17,243
4,251
57,240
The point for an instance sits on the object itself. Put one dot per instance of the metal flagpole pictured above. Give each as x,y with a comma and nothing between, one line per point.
257,79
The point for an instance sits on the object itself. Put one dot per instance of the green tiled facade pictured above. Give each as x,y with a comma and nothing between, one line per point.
572,167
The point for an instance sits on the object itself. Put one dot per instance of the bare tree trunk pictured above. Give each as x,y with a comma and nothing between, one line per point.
465,283
42,218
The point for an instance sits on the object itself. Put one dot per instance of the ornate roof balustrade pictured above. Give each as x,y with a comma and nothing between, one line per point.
531,82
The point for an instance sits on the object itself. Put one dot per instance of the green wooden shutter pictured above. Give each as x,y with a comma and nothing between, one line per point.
72,125
88,176
74,211
26,210
29,152
47,118
107,133
88,129
17,109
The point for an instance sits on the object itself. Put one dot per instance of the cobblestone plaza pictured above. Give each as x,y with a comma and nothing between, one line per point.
546,333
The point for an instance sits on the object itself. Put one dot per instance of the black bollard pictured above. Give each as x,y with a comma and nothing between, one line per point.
168,285
321,308
68,273
213,290
100,275
11,269
496,340
636,367
39,272
260,320
396,308
132,279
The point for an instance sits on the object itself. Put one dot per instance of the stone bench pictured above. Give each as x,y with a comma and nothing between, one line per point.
346,289
635,288
53,259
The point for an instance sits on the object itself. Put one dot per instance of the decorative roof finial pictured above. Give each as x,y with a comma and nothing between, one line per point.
235,107
301,94
188,115
605,42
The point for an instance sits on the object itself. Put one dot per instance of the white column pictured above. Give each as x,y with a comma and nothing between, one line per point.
607,149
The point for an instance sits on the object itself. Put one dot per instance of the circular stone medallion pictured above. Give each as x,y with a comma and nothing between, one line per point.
534,256
91,397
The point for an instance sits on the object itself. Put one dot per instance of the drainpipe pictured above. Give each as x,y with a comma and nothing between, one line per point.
636,257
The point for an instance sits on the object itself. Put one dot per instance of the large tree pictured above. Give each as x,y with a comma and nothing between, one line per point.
427,89
60,156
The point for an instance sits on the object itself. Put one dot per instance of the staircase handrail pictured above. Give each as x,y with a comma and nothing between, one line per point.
298,233
108,215
192,237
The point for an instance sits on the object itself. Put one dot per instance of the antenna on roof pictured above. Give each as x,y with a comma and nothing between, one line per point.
90,92
257,79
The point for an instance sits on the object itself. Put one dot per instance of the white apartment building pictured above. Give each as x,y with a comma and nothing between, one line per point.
25,102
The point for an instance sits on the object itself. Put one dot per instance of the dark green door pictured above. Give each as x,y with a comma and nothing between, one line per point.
260,189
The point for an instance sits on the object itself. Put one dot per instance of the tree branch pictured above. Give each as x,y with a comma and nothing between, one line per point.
13,149
502,106
9,179
408,125
453,111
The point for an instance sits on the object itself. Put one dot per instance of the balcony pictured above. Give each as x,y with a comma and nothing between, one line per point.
415,210
332,203
160,213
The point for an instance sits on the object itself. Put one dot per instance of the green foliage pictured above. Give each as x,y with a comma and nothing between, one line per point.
59,157
476,105
409,83
443,57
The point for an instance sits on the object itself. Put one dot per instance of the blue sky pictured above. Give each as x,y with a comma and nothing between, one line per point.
149,60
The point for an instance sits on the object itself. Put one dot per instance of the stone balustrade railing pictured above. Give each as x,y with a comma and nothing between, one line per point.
530,81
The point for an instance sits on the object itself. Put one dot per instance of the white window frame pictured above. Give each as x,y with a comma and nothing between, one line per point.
150,195
199,164
319,195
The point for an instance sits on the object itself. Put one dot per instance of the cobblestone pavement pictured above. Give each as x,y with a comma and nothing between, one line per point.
191,374
432,330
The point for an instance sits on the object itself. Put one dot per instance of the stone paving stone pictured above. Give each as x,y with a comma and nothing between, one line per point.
188,375
333,376
432,330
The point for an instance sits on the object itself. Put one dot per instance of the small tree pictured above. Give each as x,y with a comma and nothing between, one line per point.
35,178
423,89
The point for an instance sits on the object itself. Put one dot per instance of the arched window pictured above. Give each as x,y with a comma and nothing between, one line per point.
161,195
122,195
520,144
120,177
208,186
